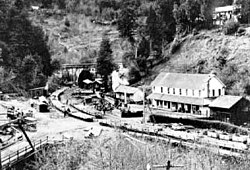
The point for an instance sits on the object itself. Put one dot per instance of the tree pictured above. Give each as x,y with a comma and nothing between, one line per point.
47,3
134,75
127,22
191,13
206,13
168,25
23,43
153,29
245,10
61,4
143,53
28,71
105,64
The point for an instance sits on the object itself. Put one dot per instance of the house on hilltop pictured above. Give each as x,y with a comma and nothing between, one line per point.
225,13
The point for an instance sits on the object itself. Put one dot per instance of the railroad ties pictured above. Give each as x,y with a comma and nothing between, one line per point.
68,110
217,143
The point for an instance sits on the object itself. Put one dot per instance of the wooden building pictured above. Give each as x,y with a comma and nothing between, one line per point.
37,92
225,13
133,94
185,93
233,109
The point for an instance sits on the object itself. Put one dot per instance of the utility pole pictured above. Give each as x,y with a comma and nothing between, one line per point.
1,159
144,110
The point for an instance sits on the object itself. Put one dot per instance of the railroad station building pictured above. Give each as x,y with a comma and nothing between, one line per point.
200,95
186,93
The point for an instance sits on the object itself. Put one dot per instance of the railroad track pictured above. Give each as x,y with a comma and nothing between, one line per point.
228,148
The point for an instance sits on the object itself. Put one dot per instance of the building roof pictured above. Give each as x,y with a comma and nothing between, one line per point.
87,81
225,102
177,99
126,89
182,81
38,88
224,8
227,8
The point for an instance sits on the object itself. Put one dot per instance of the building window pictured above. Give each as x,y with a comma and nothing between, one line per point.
219,92
186,92
180,91
168,90
165,103
213,92
161,89
199,92
173,90
193,92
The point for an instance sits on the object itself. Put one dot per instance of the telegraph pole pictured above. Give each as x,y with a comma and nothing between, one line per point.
144,110
1,159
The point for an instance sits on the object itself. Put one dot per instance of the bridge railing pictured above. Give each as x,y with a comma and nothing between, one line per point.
17,155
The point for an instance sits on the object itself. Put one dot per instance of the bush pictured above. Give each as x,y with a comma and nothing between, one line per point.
175,46
230,27
67,23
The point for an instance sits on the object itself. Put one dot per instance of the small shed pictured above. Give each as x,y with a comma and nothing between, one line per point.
233,109
88,84
40,91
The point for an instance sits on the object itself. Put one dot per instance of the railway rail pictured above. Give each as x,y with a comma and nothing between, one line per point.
225,145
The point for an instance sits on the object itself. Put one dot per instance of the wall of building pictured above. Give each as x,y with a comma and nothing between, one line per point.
214,86
238,114
179,92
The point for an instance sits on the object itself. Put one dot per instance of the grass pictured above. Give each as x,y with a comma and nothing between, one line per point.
76,43
116,151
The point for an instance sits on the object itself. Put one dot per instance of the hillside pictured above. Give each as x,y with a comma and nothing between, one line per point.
210,51
79,42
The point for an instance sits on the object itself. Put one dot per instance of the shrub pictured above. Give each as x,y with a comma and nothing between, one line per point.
175,46
230,27
67,23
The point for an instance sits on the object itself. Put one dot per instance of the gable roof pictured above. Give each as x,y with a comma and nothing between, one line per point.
87,81
225,102
183,81
126,89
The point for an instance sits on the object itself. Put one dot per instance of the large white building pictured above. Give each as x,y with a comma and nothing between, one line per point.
187,93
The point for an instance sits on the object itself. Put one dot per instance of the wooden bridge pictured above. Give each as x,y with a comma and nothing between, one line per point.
10,159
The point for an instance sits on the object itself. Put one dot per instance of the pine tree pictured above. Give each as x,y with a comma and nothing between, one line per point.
105,63
19,38
127,22
153,28
168,25
143,54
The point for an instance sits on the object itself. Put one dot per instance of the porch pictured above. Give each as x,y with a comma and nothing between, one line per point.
178,107
180,104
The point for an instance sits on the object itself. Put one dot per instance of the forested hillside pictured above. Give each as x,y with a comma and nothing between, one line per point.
140,32
25,56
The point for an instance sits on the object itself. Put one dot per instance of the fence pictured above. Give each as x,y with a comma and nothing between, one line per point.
20,154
